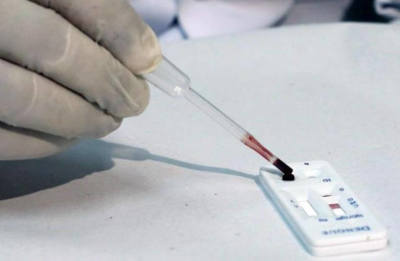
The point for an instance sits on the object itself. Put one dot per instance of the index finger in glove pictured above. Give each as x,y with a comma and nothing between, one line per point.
116,26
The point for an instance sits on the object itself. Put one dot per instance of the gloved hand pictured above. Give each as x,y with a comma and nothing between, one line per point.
67,71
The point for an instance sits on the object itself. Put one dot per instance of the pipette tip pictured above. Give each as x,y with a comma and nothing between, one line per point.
286,170
254,144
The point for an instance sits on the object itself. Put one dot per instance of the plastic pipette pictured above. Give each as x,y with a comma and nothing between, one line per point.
171,80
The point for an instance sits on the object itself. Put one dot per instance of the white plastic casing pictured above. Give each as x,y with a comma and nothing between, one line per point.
323,211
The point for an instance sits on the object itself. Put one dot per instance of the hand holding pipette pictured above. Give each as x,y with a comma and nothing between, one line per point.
171,80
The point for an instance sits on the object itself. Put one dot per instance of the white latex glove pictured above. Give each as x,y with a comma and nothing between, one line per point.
67,70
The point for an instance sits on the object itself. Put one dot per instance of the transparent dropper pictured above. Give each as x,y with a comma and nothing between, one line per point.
171,80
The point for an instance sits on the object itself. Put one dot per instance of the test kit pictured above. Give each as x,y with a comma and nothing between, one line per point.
323,211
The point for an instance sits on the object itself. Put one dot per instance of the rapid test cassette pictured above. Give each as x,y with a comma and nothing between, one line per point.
323,211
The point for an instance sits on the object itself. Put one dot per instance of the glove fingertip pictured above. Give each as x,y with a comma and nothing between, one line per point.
145,55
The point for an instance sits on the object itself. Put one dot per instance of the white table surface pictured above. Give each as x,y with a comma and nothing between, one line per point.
171,185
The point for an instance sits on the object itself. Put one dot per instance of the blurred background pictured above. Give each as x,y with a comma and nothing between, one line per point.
177,20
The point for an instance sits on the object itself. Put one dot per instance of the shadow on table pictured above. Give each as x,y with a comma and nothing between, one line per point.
18,178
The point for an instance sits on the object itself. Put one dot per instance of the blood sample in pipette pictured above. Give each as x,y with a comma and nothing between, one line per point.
254,144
